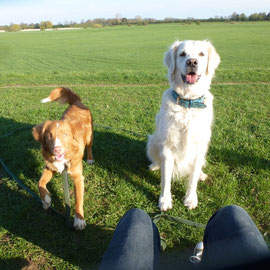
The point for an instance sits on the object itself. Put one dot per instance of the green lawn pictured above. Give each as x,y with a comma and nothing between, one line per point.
119,74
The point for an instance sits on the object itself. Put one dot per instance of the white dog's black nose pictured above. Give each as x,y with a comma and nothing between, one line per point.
192,62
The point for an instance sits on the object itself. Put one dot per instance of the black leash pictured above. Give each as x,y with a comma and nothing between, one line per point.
178,220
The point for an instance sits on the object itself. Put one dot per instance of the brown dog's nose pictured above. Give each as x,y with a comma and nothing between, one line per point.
57,150
192,62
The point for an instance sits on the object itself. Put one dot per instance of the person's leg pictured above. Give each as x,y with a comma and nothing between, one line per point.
135,244
232,238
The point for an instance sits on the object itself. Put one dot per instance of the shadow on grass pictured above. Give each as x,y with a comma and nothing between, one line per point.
24,217
236,159
177,259
16,263
16,141
127,157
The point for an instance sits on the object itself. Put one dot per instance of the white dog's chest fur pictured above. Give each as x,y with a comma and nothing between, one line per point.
184,131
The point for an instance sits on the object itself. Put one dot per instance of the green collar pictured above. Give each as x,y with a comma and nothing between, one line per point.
189,103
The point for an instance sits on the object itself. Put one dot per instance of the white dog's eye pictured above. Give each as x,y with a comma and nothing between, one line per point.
182,54
201,54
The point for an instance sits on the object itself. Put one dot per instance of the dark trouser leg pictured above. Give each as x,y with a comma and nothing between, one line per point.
135,244
232,238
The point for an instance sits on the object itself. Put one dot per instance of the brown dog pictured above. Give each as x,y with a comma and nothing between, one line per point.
63,142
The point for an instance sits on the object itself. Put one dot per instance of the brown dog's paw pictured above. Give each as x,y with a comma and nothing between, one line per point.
46,202
79,223
90,161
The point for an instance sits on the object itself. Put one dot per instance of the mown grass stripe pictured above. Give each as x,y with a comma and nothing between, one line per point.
124,85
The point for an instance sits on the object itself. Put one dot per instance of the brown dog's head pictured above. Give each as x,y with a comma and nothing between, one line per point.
55,137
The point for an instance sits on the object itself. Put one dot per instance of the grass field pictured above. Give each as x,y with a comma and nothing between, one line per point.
119,74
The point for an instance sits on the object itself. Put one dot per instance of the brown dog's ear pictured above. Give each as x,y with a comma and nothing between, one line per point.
213,60
170,59
38,131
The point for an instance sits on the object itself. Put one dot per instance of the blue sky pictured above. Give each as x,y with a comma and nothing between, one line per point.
17,11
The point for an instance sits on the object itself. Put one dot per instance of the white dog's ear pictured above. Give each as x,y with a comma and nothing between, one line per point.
213,60
170,58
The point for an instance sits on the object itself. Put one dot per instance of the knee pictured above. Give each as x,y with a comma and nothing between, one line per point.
231,215
232,211
137,215
138,220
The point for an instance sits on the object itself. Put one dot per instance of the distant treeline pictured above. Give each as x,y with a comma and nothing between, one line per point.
138,20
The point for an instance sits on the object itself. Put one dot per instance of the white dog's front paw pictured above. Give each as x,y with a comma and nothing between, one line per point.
46,202
191,201
165,203
153,167
79,224
203,176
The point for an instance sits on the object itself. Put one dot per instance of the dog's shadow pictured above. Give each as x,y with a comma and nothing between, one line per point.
126,156
235,159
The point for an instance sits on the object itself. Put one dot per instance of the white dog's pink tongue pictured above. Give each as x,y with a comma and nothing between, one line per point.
191,78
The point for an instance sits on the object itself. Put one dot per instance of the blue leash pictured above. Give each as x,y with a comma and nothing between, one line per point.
20,183
30,192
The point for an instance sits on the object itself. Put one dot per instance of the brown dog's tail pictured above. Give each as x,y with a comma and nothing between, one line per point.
63,95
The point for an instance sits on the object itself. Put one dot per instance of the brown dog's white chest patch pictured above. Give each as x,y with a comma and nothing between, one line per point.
60,165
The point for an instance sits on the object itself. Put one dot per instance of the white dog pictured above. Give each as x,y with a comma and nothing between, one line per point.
183,125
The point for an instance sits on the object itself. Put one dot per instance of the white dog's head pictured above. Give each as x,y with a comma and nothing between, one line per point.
191,64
